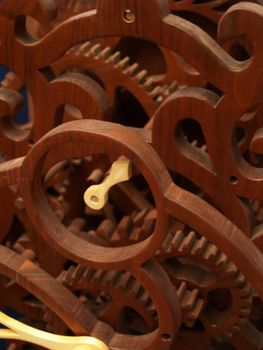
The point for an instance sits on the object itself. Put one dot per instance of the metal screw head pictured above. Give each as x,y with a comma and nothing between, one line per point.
128,16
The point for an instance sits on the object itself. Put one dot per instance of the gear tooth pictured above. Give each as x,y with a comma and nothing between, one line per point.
114,277
60,188
124,228
199,305
62,211
148,84
211,253
124,63
134,288
136,234
77,225
173,87
29,254
239,279
164,88
104,278
67,280
245,290
106,229
165,248
114,58
166,91
104,54
187,242
177,239
74,50
62,277
181,290
156,92
78,273
132,70
95,177
88,274
221,260
98,276
159,99
83,276
124,281
189,299
150,305
231,269
190,303
140,77
143,296
108,278
203,148
200,247
18,247
95,50
146,230
189,317
138,219
84,48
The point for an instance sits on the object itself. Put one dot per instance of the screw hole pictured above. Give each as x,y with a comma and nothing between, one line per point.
128,16
30,142
166,337
94,199
233,180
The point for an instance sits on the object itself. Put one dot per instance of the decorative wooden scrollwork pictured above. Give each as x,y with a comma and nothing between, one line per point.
172,257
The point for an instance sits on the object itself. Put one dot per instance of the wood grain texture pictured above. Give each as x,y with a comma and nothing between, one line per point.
174,259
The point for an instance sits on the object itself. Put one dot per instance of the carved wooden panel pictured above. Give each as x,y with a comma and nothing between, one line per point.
173,260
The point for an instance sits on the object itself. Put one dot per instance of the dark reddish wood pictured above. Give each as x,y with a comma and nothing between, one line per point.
174,260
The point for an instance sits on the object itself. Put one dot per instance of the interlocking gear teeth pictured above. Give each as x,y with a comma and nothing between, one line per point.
141,77
80,278
114,59
131,70
187,243
181,243
131,227
123,281
123,63
191,304
148,84
23,246
104,55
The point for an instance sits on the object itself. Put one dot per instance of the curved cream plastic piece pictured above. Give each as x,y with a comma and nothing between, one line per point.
19,331
96,196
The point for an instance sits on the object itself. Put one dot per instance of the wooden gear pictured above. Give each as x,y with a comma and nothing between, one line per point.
168,254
